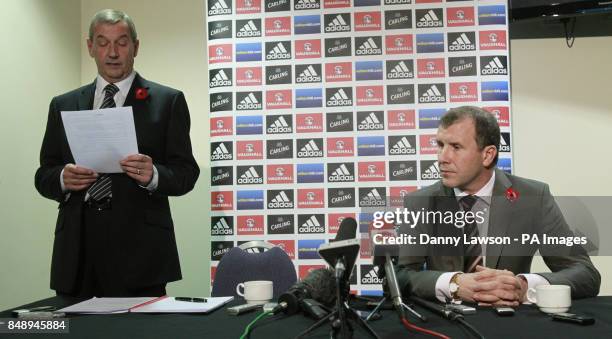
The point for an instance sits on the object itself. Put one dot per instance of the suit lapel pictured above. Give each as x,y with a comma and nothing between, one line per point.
130,100
447,202
87,96
500,216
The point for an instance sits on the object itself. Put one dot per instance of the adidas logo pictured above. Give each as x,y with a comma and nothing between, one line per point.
310,150
249,102
219,7
338,24
400,71
221,153
433,94
403,146
373,198
369,47
307,4
279,125
249,30
430,19
341,174
398,2
221,227
339,99
371,277
220,79
371,122
504,146
462,43
250,177
432,173
281,201
311,225
279,52
308,75
494,66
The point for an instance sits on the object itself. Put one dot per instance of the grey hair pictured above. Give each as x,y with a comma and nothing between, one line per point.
112,16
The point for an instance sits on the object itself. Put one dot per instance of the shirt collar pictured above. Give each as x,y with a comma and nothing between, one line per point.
123,85
484,193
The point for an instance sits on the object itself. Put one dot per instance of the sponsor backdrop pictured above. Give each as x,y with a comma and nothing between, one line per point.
319,108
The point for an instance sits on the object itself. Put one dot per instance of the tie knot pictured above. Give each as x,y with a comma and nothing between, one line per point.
111,90
468,202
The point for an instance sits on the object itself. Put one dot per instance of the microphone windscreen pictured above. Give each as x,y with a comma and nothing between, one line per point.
322,285
347,229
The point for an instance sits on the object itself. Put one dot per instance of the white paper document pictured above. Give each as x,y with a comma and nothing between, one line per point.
170,305
100,138
106,305
163,304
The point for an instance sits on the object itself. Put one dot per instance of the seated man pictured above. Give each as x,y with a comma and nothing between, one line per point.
508,206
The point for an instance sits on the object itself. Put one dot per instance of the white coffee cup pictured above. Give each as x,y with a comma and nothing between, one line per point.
551,298
256,291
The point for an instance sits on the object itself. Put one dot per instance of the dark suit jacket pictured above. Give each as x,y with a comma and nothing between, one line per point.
144,249
533,212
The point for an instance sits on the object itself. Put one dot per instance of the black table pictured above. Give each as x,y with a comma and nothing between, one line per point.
528,322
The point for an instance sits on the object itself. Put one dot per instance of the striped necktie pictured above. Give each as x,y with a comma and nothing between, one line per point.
101,189
472,252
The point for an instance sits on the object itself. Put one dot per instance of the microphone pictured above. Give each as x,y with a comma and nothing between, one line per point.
341,253
441,311
319,285
346,230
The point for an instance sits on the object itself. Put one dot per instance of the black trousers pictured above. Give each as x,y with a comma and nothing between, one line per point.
97,276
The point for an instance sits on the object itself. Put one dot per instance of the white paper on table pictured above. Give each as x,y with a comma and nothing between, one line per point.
106,305
100,138
171,305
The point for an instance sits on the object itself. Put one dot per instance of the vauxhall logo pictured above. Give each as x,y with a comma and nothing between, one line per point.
427,18
248,28
219,7
337,22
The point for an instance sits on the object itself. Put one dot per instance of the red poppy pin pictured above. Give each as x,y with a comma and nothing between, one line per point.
511,194
141,93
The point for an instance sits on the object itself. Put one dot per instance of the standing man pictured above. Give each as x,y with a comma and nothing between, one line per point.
510,206
114,234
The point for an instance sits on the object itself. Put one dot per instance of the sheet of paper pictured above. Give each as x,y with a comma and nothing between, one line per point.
100,138
170,305
106,305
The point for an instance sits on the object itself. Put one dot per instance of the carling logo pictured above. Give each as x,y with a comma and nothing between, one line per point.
341,197
279,124
428,144
371,121
310,173
460,16
493,40
311,223
338,71
249,175
311,198
307,49
276,26
219,53
398,19
221,175
307,249
280,174
250,28
286,245
341,172
461,41
434,93
369,95
307,24
369,275
400,69
430,170
494,65
249,150
337,22
248,76
368,70
494,90
309,123
308,97
280,50
246,101
220,102
372,171
248,52
299,5
367,21
250,225
368,45
402,144
280,199
219,248
341,96
504,142
277,5
337,47
502,114
220,29
340,122
308,73
249,125
401,119
463,91
371,146
492,15
248,6
399,44
279,149
430,117
462,66
281,224
400,94
221,201
220,77
430,43
402,170
429,18
340,147
278,75
279,99
431,68
249,200
221,126
219,7
372,196
221,151
223,225
309,148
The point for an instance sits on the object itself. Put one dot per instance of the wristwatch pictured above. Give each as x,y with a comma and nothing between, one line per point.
454,289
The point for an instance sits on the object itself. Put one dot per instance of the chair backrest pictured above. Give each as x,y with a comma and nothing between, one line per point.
238,266
256,246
